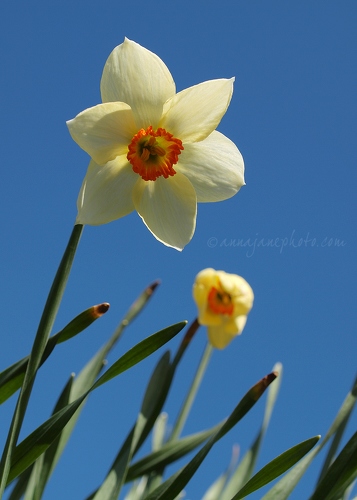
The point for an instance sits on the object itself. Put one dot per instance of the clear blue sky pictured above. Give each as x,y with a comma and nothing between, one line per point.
293,117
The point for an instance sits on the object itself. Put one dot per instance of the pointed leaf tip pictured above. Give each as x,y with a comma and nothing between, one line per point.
100,309
152,287
260,387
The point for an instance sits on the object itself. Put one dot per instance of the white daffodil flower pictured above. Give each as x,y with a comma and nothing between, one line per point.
152,150
223,301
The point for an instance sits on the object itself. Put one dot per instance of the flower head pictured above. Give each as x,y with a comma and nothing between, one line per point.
152,150
223,302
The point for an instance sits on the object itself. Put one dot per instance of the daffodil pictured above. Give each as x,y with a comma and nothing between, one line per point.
152,150
223,302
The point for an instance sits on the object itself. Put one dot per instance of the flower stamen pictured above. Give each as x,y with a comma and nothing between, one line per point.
153,153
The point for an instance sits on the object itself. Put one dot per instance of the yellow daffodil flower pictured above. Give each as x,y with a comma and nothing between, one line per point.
153,150
223,302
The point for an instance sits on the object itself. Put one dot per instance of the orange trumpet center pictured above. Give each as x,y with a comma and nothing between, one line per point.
220,302
153,153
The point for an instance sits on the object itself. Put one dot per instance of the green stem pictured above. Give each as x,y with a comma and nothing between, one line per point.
186,407
44,329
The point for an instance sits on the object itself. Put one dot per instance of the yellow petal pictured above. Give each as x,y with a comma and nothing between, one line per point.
218,337
240,291
106,192
203,282
104,131
138,77
168,207
223,301
192,114
214,166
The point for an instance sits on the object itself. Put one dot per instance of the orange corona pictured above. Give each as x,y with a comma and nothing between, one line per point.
153,153
220,302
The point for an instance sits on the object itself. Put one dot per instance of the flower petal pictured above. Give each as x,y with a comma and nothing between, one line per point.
104,131
134,75
220,337
240,291
214,166
191,115
106,192
168,207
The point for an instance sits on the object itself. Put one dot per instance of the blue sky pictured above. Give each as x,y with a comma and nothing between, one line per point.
293,117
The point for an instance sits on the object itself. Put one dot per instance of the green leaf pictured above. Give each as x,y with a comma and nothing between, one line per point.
39,440
246,466
139,352
337,437
159,431
137,490
81,384
44,329
215,491
110,488
169,453
284,487
20,487
153,402
12,377
41,469
277,467
86,378
176,483
340,474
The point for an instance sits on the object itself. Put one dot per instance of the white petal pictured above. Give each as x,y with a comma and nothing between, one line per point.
168,207
106,192
214,166
191,115
104,131
134,75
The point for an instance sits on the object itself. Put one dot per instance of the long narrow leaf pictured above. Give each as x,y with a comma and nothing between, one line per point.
337,438
159,431
283,488
169,453
41,468
112,484
20,487
39,345
246,466
153,401
176,483
215,491
277,467
139,352
340,475
86,378
37,442
82,382
12,377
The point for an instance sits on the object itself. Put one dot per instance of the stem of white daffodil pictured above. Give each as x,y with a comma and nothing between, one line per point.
44,329
187,404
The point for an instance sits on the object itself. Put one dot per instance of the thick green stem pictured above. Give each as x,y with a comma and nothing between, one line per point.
44,329
186,407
